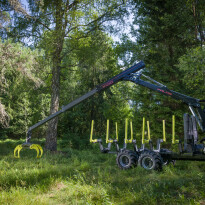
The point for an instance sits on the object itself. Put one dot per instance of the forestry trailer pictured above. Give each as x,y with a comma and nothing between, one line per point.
148,158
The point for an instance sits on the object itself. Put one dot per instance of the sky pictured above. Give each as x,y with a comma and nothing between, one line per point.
116,38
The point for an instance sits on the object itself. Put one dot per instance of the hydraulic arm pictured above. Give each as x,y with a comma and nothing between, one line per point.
134,74
194,104
103,86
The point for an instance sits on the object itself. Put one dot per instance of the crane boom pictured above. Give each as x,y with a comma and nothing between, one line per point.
133,74
103,86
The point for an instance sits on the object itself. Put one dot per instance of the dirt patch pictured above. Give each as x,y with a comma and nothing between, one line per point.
58,186
202,202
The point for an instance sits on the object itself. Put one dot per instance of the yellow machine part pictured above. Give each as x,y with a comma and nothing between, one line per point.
174,141
126,132
143,132
37,147
17,151
164,132
91,133
107,133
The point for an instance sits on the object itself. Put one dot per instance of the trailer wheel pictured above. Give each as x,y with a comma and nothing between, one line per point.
150,160
127,159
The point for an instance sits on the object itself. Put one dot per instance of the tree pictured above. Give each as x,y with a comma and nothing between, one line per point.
163,32
6,7
192,65
21,72
56,21
93,62
197,9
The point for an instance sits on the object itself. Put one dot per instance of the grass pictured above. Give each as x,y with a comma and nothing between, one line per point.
89,177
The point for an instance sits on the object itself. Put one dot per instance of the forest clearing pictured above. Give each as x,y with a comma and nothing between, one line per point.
102,102
89,177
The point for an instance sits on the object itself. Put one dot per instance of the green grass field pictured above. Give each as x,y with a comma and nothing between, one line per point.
89,177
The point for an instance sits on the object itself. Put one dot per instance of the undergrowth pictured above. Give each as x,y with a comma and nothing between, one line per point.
90,177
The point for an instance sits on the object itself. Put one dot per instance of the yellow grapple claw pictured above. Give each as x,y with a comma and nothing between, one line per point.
33,146
38,149
17,151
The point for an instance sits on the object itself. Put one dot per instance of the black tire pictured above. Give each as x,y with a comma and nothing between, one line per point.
127,159
150,160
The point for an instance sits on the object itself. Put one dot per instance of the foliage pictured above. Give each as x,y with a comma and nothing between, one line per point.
163,31
22,72
72,37
57,21
192,64
92,64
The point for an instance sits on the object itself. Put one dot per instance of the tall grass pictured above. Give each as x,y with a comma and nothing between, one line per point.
89,177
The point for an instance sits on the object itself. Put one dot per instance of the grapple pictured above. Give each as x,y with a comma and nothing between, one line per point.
28,145
37,147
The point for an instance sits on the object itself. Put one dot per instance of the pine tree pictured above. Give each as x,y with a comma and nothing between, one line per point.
21,74
163,31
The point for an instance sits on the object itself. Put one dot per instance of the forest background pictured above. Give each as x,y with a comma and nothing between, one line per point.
52,52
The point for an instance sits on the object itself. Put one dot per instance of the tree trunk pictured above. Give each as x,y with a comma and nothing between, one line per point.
51,137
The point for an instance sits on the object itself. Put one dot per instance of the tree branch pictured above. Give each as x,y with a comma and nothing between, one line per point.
92,22
37,20
75,2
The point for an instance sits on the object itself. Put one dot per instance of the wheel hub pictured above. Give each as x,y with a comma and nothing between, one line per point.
147,163
124,160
